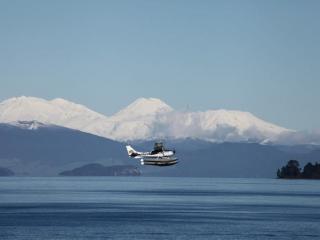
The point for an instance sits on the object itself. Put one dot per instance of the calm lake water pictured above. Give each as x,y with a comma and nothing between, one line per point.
158,208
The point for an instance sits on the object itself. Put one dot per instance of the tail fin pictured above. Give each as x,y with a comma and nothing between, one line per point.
131,151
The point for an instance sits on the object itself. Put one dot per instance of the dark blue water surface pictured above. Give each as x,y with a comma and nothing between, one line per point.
158,208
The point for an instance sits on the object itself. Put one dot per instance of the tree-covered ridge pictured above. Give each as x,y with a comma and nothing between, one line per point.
293,170
95,169
4,172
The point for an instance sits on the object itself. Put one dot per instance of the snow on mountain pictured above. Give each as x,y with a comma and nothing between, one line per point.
137,120
141,108
30,125
145,118
57,111
217,126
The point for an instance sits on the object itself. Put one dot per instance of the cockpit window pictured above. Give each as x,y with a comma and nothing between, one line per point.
158,146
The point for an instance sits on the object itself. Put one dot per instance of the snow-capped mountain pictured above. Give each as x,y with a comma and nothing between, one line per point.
145,118
218,126
142,108
57,111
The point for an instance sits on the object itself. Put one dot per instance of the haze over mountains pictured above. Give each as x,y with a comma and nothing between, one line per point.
149,118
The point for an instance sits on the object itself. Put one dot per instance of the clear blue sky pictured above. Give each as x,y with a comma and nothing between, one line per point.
257,56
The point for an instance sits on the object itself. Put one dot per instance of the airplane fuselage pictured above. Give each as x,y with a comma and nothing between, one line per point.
155,155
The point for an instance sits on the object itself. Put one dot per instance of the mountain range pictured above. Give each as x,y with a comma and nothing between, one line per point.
145,119
46,138
35,149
